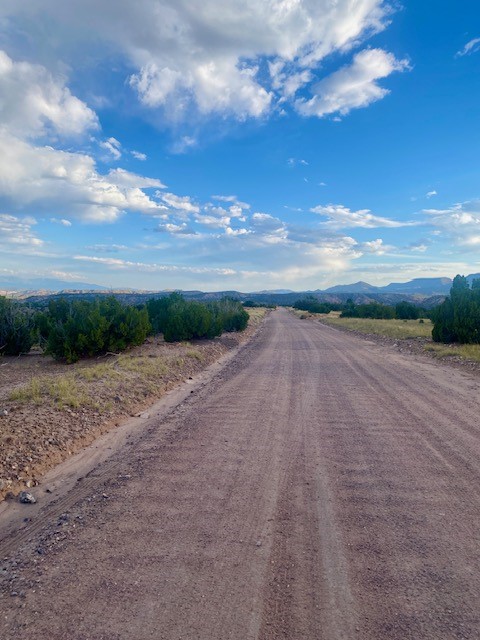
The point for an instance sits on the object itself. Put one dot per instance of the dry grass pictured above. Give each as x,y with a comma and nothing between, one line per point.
142,373
62,392
193,353
404,330
256,315
398,329
464,351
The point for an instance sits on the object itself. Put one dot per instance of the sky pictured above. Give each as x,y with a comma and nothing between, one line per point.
239,144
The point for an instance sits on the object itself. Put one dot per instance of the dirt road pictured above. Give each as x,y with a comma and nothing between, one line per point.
318,488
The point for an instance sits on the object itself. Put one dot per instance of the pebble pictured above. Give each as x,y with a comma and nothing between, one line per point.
27,498
3,412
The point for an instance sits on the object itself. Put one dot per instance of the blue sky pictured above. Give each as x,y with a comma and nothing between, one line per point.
245,145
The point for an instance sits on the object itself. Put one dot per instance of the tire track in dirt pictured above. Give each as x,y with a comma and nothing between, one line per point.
318,488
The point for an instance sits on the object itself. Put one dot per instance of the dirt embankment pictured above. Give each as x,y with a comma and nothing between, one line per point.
49,410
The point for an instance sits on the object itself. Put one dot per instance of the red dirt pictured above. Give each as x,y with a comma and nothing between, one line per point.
318,488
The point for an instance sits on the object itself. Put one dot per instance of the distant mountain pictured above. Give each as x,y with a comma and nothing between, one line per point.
472,277
273,291
14,283
356,287
424,286
419,286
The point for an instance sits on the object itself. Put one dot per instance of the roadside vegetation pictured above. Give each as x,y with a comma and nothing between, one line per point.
398,329
72,329
455,322
457,319
50,410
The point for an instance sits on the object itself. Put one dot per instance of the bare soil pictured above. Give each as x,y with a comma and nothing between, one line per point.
319,487
78,403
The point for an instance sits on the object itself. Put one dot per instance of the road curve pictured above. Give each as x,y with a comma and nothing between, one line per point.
320,488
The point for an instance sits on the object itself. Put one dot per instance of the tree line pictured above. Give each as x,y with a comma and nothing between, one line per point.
71,329
403,310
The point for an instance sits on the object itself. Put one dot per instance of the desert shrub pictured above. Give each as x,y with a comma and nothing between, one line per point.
407,311
313,305
371,310
457,319
179,319
75,329
17,327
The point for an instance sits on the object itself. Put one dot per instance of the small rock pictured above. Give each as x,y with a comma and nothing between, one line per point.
27,498
259,543
3,412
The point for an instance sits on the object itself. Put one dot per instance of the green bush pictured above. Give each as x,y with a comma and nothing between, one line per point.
372,310
17,328
80,328
180,319
457,319
311,304
407,311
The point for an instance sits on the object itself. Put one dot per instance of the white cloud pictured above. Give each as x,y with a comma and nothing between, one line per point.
293,162
418,247
107,248
471,47
18,232
117,263
113,148
352,86
430,194
233,200
180,203
126,179
342,217
139,155
34,103
461,223
183,144
172,228
207,54
68,184
376,247
62,221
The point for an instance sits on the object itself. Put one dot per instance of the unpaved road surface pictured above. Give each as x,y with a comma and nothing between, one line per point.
320,487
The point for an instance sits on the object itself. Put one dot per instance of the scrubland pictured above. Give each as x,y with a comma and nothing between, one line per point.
50,409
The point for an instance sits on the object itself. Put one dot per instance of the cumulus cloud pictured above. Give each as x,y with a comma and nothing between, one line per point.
35,104
461,223
375,247
179,203
68,184
342,217
353,86
209,55
471,47
17,231
430,194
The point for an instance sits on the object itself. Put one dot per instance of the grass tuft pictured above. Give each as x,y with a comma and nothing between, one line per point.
195,354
